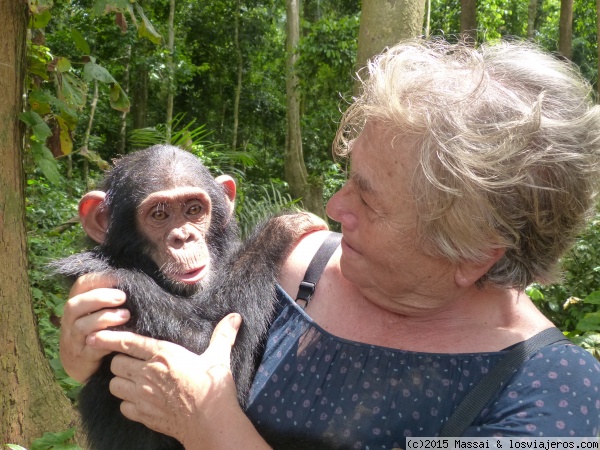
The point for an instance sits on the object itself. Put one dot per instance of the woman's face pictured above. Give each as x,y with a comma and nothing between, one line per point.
379,223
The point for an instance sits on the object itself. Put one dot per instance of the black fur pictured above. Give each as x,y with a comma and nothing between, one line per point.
244,283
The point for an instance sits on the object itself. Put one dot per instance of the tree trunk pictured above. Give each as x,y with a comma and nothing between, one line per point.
468,20
138,85
170,70
86,137
565,29
238,88
31,402
125,86
427,27
311,10
531,16
295,169
139,103
384,23
597,39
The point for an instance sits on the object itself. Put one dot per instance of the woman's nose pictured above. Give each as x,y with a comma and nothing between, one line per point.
339,209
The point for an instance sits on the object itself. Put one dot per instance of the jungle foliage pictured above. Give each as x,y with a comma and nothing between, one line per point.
97,86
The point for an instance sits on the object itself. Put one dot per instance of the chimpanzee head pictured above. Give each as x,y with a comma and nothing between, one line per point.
162,212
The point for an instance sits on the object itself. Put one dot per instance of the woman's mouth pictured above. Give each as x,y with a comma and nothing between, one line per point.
347,247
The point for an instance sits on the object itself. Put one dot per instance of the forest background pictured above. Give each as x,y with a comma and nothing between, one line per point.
253,88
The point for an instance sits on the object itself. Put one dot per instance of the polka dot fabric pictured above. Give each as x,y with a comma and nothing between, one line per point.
315,388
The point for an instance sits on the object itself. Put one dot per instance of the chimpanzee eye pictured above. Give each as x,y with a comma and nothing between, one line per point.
159,215
194,210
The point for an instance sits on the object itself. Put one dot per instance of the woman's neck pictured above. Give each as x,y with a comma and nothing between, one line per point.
462,321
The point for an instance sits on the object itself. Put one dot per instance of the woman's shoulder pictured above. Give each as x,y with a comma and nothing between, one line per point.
294,268
563,360
559,373
555,393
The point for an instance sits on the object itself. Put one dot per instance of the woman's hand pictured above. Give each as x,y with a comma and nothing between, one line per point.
91,308
174,391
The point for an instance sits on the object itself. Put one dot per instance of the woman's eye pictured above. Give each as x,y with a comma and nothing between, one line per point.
194,210
159,215
361,197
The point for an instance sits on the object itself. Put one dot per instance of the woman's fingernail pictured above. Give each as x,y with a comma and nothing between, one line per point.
91,339
235,320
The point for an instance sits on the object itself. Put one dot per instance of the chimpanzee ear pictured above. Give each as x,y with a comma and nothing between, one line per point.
228,184
93,215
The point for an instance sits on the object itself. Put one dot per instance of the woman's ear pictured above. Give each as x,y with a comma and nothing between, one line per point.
228,184
93,215
468,272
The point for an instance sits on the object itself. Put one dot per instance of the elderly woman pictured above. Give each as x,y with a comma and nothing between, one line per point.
471,173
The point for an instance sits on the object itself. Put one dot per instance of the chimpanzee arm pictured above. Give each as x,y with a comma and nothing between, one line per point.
248,287
74,266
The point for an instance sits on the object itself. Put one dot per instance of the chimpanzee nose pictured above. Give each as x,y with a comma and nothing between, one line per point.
180,236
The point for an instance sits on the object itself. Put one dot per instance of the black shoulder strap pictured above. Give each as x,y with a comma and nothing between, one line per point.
490,385
316,266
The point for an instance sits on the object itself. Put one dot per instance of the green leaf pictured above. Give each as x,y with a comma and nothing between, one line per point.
590,342
63,64
146,29
146,137
80,41
40,6
534,293
46,162
132,15
67,114
593,298
118,98
39,128
38,58
72,90
93,71
94,158
107,6
15,447
66,144
590,322
55,441
40,20
40,101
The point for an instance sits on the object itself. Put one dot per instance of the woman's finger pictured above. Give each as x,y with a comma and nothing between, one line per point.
222,340
134,345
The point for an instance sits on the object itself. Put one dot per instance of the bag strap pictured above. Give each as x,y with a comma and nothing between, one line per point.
316,267
490,384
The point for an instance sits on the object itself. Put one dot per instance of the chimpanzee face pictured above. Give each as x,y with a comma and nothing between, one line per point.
176,223
162,212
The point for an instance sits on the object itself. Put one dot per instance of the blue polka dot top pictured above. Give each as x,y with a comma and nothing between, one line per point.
314,390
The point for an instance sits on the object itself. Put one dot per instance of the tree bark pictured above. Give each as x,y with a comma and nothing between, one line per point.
295,170
598,38
125,86
240,67
468,20
86,136
384,23
427,26
170,70
31,402
565,29
531,16
139,104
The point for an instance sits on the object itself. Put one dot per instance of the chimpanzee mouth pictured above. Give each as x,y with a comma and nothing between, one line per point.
191,277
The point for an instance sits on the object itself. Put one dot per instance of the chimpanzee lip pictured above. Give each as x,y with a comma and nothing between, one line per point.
191,277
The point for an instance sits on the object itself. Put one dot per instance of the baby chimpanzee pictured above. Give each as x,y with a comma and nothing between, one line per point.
166,231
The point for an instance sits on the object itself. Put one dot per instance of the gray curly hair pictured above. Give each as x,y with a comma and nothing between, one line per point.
509,144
